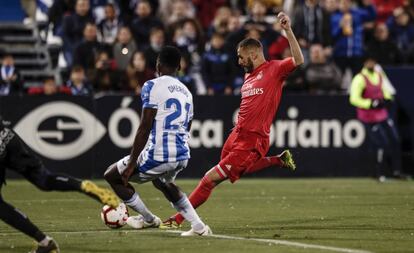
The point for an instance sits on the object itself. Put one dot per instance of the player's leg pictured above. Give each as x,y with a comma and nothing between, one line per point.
394,147
127,192
181,203
377,137
232,166
200,194
21,222
22,160
284,160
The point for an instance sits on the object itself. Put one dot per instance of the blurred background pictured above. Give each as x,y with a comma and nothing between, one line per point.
72,72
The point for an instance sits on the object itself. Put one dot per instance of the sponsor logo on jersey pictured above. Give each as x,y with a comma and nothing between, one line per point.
60,130
252,92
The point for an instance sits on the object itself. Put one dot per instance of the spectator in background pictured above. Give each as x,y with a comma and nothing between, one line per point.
124,48
385,8
109,26
234,23
217,67
142,24
330,6
56,13
184,74
104,76
321,75
157,41
221,21
10,78
401,29
382,48
137,73
86,51
347,30
73,27
257,27
206,10
189,38
78,84
177,11
274,6
408,6
48,88
312,26
257,17
370,97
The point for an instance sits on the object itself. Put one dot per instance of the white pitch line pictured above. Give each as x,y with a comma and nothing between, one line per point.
226,237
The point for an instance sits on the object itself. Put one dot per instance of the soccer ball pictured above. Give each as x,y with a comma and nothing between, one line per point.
114,217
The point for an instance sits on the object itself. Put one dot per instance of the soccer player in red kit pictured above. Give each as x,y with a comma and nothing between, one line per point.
246,147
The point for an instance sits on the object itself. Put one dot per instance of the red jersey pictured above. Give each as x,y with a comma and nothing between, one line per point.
261,94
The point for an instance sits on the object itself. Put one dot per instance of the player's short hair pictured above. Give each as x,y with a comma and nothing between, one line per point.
170,57
250,43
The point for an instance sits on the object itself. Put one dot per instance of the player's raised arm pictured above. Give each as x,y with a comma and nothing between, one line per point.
141,138
293,43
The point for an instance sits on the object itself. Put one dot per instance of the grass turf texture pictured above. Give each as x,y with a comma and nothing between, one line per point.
347,213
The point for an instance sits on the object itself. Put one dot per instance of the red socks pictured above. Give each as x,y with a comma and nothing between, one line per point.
200,194
264,163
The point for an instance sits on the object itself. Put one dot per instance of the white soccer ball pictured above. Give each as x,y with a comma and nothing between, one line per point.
114,217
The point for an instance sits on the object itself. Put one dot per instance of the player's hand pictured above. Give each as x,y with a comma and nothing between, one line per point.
127,174
284,21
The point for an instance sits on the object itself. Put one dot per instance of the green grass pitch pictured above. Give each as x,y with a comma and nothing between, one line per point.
354,214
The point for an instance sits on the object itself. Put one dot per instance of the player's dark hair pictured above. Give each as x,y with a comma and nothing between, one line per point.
250,43
170,57
369,55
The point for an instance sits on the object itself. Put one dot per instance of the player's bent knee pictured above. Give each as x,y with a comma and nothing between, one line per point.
111,175
215,176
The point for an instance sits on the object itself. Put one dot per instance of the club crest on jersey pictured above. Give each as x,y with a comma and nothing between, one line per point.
260,75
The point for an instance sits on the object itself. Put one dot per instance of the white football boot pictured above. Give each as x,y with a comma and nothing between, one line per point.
205,232
138,222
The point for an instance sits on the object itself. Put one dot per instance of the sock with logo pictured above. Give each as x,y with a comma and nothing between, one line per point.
200,195
184,207
264,163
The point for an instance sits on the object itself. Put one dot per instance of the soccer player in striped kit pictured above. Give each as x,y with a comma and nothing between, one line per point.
246,147
160,150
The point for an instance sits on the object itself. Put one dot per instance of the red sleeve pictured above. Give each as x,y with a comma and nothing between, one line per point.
286,67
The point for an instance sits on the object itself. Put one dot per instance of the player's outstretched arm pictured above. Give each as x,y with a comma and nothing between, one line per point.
141,138
293,43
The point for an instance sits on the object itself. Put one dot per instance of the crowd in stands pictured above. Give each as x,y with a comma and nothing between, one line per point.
111,46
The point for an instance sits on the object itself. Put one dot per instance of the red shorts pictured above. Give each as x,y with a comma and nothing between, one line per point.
240,152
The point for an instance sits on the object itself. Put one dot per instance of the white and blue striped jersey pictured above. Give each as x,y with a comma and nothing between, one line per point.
168,140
